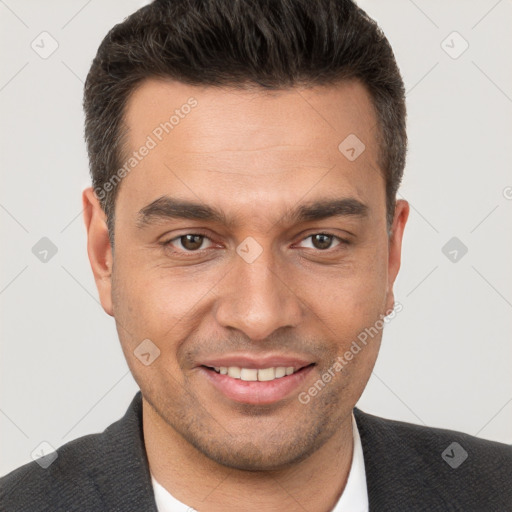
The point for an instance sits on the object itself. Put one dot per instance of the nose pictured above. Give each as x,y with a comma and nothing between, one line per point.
258,298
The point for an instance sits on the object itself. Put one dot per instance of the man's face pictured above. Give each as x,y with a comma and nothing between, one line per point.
258,287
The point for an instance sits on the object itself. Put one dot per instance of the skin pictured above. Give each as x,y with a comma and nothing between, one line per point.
255,155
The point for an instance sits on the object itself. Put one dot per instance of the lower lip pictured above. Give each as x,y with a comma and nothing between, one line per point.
256,392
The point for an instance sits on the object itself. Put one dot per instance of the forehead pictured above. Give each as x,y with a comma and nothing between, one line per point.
253,147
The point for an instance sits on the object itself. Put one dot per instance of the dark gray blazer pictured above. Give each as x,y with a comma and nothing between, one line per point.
408,468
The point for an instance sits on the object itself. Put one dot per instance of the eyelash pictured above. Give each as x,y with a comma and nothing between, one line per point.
167,244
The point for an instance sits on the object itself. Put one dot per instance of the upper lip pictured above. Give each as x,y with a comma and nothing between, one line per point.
256,362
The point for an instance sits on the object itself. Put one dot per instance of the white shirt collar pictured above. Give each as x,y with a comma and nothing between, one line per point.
354,497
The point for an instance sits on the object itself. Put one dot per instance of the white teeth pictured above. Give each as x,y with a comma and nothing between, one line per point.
266,374
249,374
253,374
280,372
234,371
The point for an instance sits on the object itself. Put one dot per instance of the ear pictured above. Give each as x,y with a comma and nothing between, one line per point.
395,249
99,249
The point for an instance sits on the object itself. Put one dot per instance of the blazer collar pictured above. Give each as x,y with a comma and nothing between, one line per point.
123,479
399,469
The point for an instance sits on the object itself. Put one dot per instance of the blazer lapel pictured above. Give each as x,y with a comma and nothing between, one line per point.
399,471
122,478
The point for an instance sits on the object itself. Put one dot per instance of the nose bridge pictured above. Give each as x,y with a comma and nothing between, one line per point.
256,299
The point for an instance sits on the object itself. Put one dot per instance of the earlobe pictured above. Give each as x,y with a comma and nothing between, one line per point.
395,248
99,248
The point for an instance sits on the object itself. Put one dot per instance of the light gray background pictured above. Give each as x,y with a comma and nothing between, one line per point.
445,359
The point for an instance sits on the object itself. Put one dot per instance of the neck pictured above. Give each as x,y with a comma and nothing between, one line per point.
315,483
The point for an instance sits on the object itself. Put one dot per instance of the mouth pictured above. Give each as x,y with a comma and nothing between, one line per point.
256,386
257,374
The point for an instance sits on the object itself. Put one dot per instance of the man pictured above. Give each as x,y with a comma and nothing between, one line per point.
243,231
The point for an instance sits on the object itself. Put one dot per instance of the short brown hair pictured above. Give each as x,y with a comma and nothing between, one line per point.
272,44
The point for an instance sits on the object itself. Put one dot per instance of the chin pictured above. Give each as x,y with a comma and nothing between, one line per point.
250,456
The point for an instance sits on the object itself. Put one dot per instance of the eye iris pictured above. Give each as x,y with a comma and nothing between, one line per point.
324,241
191,242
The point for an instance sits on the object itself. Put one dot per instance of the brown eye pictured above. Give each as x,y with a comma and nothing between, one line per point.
322,241
191,242
188,243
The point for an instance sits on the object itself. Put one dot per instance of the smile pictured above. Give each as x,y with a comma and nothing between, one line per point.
253,374
257,386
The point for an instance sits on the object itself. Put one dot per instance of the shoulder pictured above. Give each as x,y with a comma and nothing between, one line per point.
104,471
423,438
426,463
42,484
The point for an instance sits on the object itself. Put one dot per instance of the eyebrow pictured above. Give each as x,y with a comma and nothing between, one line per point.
166,207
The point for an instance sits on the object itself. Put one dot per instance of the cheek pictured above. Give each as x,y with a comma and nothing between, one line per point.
353,298
159,303
350,308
